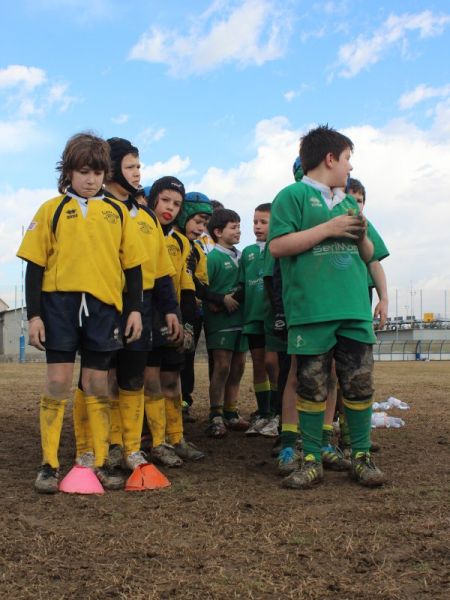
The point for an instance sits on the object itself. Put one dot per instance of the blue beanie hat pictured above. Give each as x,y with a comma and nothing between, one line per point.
297,169
195,203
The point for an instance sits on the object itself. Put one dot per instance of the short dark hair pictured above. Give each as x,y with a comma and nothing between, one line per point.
317,143
216,204
266,207
220,219
83,150
354,185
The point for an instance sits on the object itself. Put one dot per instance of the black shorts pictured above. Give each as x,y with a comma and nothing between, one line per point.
72,325
144,343
256,340
166,358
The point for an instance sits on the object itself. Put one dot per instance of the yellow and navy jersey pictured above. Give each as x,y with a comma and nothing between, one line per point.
201,268
179,250
206,242
84,246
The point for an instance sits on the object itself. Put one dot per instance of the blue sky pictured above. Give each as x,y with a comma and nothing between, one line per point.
219,93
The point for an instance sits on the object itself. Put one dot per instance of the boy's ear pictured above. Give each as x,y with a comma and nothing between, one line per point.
329,159
217,232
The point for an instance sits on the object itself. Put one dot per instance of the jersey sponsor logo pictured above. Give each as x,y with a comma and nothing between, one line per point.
110,216
251,256
258,283
299,341
227,265
313,201
32,226
335,248
173,250
72,213
144,227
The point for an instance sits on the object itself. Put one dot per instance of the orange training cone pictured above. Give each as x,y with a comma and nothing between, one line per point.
146,477
81,480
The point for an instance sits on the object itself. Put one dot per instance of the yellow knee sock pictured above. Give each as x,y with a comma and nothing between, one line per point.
174,419
115,436
132,413
83,438
100,423
155,412
51,417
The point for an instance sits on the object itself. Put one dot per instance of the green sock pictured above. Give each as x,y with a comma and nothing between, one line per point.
262,393
311,429
359,428
289,435
327,434
230,414
215,411
274,400
345,433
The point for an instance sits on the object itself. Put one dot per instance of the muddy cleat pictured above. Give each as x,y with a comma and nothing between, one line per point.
188,451
288,461
165,455
115,456
271,428
216,428
333,459
256,425
365,472
47,480
87,459
309,475
236,423
135,459
111,479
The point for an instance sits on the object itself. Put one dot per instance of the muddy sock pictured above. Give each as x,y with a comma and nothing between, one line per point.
358,417
327,434
262,393
289,435
51,416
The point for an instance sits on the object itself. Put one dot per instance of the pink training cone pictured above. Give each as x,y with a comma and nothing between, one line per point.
81,480
146,477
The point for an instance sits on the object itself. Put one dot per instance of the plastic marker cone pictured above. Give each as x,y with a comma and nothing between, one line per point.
81,480
146,477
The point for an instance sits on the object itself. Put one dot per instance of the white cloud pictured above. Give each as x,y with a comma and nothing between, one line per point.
20,75
121,119
58,96
252,33
291,94
149,136
368,50
422,92
175,165
16,135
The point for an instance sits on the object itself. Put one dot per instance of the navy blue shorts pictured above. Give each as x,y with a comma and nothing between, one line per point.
71,324
144,343
167,358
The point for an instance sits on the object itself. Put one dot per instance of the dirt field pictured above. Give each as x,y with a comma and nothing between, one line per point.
225,528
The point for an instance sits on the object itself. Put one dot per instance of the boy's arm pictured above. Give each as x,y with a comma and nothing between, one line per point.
344,226
33,288
379,279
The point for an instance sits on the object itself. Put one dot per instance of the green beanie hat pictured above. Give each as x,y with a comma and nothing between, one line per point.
195,203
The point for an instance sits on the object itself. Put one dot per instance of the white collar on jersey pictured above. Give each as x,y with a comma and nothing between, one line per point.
331,196
233,253
83,202
261,246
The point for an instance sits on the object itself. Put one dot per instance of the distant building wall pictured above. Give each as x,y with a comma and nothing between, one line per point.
10,330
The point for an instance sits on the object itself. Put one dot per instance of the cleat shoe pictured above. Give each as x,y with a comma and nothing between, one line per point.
216,428
271,428
256,425
115,456
110,478
277,447
365,472
47,480
236,423
87,459
165,455
186,411
288,461
188,451
135,459
309,475
334,460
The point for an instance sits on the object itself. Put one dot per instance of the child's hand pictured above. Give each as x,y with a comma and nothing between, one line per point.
133,329
36,333
230,303
174,329
347,226
381,312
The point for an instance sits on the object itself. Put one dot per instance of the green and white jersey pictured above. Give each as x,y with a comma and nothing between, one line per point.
379,250
251,271
223,276
329,281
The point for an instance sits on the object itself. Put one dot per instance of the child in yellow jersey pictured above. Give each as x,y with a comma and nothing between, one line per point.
162,375
78,247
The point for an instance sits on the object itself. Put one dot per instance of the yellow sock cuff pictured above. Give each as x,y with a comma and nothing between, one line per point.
262,386
327,427
153,397
130,393
309,406
293,427
352,405
47,402
273,387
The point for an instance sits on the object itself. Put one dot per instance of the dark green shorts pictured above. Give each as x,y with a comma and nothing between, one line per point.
318,338
227,340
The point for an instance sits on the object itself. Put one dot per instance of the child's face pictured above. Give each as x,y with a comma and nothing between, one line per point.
230,235
261,225
86,182
196,226
167,206
341,169
358,196
131,169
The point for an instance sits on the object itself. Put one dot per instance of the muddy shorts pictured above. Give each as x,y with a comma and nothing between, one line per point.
235,341
318,338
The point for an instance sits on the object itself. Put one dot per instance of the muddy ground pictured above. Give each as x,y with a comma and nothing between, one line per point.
225,528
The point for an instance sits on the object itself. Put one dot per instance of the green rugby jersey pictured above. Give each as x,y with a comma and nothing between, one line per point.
379,250
329,281
251,271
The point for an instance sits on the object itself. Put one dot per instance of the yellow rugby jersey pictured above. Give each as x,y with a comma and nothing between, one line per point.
179,250
201,269
84,246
